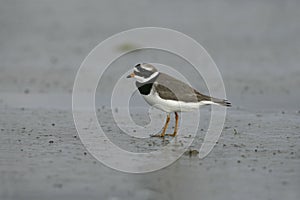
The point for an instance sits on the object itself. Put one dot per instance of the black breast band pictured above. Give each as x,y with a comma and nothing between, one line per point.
145,88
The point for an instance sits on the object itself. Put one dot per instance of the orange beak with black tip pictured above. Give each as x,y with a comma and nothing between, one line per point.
130,75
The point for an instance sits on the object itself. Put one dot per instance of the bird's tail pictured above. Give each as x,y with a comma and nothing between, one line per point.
205,99
222,102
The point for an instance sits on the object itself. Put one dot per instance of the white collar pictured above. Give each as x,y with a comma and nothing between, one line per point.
144,80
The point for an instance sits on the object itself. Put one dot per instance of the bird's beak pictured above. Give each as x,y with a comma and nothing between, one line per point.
130,75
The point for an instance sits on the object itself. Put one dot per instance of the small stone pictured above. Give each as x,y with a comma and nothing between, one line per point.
51,141
57,185
284,182
192,152
53,124
84,153
235,131
26,91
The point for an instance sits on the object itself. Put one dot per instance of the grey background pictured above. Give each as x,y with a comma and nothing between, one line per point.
256,46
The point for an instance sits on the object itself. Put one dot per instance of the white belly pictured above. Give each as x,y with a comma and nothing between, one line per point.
154,100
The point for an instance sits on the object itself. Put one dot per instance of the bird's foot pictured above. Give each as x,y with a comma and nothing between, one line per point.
158,135
172,135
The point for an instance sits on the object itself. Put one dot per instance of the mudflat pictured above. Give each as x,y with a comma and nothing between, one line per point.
256,47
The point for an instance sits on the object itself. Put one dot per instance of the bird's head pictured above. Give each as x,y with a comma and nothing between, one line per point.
143,72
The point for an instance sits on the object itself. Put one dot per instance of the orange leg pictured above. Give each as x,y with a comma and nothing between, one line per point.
165,127
176,126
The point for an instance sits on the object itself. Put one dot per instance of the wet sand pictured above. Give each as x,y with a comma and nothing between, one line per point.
257,156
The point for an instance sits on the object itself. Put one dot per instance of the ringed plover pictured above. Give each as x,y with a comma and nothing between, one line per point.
169,94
